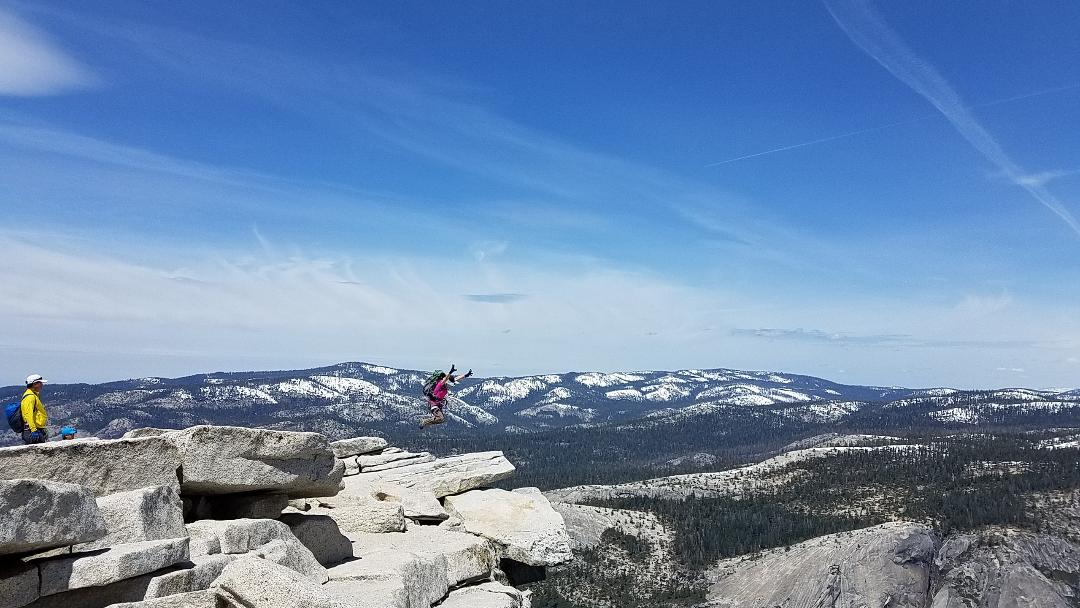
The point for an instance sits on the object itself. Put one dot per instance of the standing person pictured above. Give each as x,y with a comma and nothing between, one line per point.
436,389
33,411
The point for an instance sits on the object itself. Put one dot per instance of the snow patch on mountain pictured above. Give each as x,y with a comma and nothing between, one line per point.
346,385
478,414
378,369
559,393
504,392
124,397
302,387
228,393
602,380
826,411
559,410
753,395
937,392
962,415
625,393
664,392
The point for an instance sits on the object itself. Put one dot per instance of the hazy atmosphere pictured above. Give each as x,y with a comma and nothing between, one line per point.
876,194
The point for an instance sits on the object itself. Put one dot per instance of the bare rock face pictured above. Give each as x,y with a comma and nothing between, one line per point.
195,599
233,460
357,446
37,514
416,568
122,541
415,503
585,525
391,460
144,514
523,523
362,514
253,582
19,585
110,565
1002,568
106,467
886,566
242,536
487,595
447,476
321,535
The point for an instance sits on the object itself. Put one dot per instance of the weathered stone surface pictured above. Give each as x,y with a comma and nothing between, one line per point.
321,535
996,568
362,513
446,476
195,599
128,590
258,583
523,523
886,565
400,578
263,505
352,466
138,515
19,585
146,432
106,466
38,514
230,460
487,595
109,565
585,525
358,445
464,557
418,504
392,460
239,536
195,575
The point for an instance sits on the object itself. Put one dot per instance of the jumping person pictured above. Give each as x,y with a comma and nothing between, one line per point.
33,411
436,389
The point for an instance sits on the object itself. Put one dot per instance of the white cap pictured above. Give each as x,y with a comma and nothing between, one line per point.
32,378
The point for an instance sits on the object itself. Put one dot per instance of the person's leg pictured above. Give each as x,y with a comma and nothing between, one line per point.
437,416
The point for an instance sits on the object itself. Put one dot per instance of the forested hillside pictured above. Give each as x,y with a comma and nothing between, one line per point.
952,483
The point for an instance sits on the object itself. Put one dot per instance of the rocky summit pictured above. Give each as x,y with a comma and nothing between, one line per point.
231,517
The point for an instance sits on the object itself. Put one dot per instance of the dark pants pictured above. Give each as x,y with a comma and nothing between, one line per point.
44,434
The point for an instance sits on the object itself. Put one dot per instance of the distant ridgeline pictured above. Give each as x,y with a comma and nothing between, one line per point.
562,429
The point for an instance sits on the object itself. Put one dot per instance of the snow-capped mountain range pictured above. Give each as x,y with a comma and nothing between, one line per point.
349,398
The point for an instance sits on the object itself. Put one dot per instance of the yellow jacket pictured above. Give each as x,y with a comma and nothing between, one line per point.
33,411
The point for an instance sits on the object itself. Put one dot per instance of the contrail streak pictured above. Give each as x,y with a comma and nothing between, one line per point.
870,33
890,125
821,141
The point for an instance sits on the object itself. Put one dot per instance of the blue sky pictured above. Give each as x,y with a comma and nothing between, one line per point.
872,193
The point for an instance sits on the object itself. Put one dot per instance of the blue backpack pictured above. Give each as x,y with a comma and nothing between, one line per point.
13,413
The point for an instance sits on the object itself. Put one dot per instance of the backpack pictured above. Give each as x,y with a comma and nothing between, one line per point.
429,384
13,413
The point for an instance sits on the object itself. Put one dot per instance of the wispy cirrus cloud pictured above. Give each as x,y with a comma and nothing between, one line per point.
1040,179
31,64
868,30
876,340
495,298
565,184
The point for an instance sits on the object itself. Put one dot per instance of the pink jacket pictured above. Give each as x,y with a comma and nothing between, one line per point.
441,390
